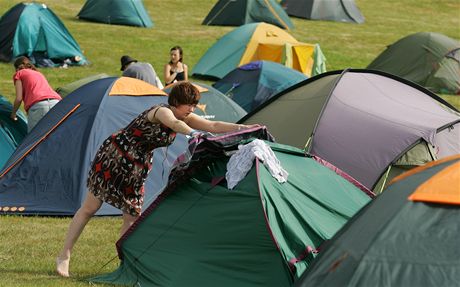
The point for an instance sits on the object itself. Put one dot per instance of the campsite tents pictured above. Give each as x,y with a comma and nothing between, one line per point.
11,133
259,41
260,233
67,89
331,10
370,124
33,30
240,12
119,12
254,83
47,173
407,236
431,60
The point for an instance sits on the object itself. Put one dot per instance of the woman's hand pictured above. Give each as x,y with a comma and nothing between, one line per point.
13,116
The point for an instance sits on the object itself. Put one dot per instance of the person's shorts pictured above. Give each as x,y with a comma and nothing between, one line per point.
38,111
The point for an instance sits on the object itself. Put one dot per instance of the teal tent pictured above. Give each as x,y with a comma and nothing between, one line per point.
240,12
11,132
118,12
33,30
260,233
431,60
253,84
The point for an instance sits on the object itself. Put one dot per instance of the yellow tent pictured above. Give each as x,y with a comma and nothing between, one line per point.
260,41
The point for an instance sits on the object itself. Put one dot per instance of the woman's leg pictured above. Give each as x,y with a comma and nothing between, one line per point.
128,220
79,221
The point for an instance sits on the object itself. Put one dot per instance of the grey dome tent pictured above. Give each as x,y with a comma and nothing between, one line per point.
331,10
370,124
431,60
118,12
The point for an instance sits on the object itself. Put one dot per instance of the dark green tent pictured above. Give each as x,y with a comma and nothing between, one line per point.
431,60
240,12
330,10
67,89
407,236
33,30
119,12
261,233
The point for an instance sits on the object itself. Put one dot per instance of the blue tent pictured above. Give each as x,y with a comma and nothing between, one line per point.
33,30
253,84
47,174
11,132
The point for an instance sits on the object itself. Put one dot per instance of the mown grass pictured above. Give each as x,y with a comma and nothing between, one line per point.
29,245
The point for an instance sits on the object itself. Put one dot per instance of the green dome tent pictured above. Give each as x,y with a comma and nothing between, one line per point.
260,233
330,10
407,236
240,12
31,29
69,88
431,60
119,12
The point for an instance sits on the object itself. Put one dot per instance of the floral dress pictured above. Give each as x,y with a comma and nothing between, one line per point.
123,161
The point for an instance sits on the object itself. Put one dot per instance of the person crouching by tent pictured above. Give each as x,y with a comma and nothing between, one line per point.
138,70
33,89
123,161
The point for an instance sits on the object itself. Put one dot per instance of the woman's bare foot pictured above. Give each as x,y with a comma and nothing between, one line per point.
62,266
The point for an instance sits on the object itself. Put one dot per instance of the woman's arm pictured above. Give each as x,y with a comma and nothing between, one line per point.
199,123
185,72
17,100
167,118
167,74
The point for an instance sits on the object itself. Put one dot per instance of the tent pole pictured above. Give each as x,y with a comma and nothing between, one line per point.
385,178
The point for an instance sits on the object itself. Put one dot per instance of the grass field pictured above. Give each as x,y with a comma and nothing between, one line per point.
29,245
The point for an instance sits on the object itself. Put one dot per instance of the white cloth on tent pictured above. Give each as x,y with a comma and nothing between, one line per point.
241,162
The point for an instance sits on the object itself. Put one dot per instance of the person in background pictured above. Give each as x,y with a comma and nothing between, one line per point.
175,70
124,159
33,89
142,71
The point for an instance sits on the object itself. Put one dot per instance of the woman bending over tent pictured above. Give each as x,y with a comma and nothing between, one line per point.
33,89
123,161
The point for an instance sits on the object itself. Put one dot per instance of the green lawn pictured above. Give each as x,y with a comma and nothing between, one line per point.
29,245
